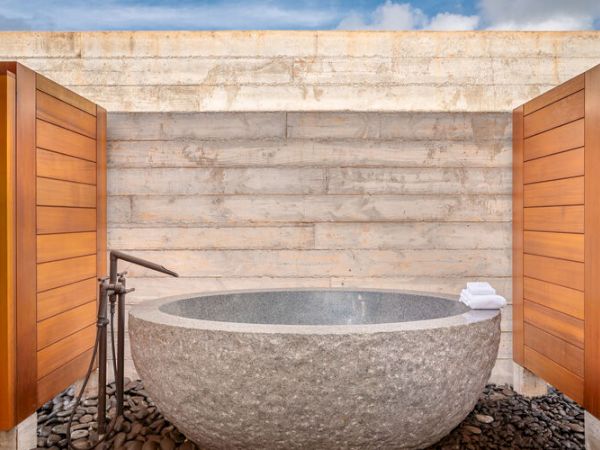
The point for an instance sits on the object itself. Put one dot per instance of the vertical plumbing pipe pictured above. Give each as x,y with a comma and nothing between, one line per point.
121,345
102,321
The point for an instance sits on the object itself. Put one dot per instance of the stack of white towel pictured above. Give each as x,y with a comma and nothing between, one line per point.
480,295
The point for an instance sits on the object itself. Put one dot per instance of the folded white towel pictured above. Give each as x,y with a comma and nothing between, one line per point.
480,288
482,301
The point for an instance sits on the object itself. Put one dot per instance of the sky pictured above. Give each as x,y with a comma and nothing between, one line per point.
73,15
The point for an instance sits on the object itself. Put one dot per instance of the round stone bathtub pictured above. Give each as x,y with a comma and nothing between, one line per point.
313,369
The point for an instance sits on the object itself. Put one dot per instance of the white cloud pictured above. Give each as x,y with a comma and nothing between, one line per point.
551,15
453,22
404,16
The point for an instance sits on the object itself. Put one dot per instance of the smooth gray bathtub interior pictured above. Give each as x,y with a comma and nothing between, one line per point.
315,307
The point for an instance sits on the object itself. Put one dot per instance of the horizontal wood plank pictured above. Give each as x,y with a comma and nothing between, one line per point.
59,353
557,271
559,377
65,220
559,92
64,115
59,273
558,350
569,191
62,167
60,92
557,245
61,299
554,322
62,377
52,247
561,165
65,193
562,219
60,326
67,142
566,300
559,139
556,114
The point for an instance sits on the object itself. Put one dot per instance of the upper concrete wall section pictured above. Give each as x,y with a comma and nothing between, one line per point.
307,70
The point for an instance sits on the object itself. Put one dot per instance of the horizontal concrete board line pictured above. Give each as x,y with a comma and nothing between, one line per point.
321,263
287,181
326,208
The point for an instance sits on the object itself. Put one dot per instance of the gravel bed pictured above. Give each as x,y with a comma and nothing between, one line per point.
501,419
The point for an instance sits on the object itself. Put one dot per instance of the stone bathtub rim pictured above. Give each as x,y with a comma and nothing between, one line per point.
149,311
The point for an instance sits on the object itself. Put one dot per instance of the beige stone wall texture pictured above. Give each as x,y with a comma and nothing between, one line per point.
311,159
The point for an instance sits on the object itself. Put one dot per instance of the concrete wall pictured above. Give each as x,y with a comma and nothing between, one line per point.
278,159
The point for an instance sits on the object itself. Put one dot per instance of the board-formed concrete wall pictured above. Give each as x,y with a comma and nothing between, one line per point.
281,159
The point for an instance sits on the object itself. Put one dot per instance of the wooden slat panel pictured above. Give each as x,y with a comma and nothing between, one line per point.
557,245
560,298
63,167
561,352
60,140
517,229
565,137
569,191
64,115
26,245
592,242
557,271
65,220
54,356
65,193
561,165
567,88
62,377
55,274
52,247
563,111
562,219
101,193
559,377
58,327
56,301
556,323
56,90
7,252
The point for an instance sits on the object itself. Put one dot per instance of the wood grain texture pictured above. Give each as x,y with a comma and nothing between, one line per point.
557,245
52,247
59,273
62,167
26,244
61,299
562,219
556,323
58,327
517,236
592,241
65,220
67,142
561,165
563,379
60,379
53,110
565,89
559,139
556,114
59,353
557,271
55,90
101,195
569,191
52,192
558,350
8,346
566,300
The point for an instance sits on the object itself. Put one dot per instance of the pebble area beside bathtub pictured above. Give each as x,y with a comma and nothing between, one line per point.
501,419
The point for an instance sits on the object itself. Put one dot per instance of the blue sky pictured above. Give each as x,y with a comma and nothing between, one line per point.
77,15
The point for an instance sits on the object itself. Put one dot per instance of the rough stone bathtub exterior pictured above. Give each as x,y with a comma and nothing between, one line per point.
273,386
